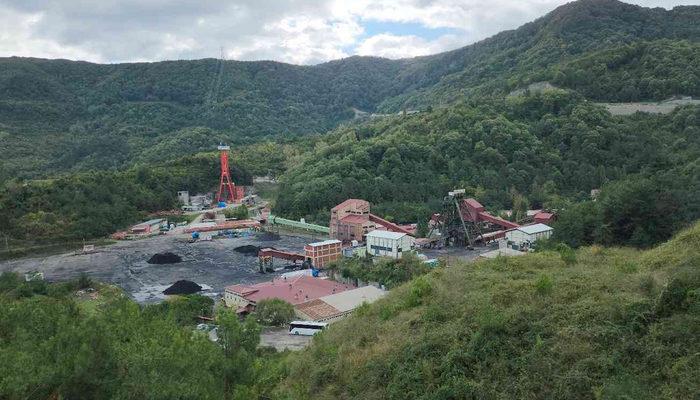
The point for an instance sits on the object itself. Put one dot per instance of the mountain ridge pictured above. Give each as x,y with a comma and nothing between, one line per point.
79,106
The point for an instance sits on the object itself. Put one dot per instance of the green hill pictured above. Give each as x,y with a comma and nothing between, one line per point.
615,324
653,70
64,115
550,148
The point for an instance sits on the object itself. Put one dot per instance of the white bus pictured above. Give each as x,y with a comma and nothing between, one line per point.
308,328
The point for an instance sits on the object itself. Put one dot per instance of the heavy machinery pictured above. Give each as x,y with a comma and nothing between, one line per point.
464,221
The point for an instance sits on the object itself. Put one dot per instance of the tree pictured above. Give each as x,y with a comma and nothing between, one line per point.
240,212
238,342
578,225
274,312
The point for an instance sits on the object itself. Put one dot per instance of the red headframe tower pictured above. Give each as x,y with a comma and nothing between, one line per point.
225,183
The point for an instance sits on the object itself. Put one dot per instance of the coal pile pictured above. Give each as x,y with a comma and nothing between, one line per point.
182,287
267,236
247,250
164,258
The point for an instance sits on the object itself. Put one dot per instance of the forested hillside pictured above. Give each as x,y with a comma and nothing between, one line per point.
94,204
515,58
653,70
547,149
58,115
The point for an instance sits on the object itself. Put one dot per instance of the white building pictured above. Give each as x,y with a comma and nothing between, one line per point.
389,244
522,238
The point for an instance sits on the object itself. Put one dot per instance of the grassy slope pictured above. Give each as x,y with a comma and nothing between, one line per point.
619,322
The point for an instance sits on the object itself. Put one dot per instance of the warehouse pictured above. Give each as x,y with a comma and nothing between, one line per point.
336,306
294,291
389,244
523,237
147,227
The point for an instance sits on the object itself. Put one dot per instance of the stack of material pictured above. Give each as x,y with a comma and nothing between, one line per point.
247,250
164,258
182,287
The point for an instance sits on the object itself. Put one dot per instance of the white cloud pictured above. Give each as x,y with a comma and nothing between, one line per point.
403,46
297,31
17,39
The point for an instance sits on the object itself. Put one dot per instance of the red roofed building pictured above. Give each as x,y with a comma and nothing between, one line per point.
544,218
293,290
352,220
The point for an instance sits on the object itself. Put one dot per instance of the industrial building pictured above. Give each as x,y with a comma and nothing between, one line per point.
294,291
389,244
544,218
523,238
322,253
336,306
464,221
502,251
352,220
194,203
148,227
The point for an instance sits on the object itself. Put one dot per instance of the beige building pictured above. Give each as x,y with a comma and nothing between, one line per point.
350,220
323,253
336,306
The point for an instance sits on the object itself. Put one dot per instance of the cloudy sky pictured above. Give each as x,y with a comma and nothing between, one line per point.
294,31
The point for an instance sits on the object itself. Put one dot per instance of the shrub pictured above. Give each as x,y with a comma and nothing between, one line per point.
544,285
420,288
240,212
567,254
9,281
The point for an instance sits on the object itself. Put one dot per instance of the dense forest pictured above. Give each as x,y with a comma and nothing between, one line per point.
551,147
96,116
640,71
93,204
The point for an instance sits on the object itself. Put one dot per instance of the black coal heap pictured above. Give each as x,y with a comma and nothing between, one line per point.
164,258
183,287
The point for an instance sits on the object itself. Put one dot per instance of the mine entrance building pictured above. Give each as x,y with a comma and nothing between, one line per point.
523,238
389,244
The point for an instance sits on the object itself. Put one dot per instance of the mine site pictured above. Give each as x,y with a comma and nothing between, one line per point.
228,246
212,264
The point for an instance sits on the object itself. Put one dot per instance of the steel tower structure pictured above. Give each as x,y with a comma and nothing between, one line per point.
225,182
